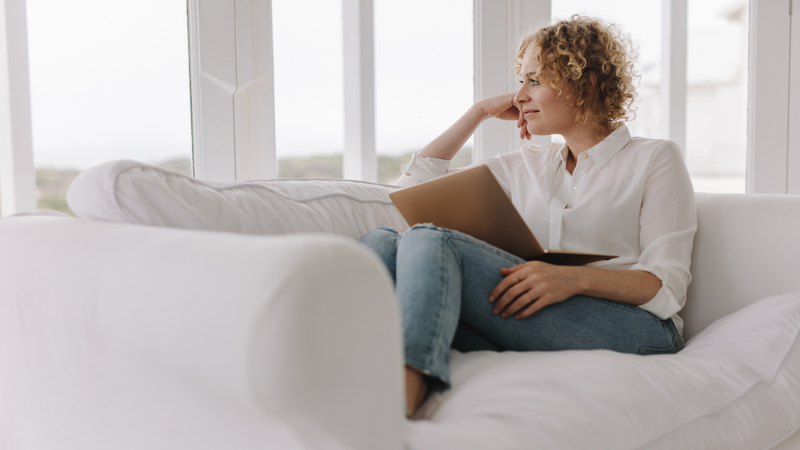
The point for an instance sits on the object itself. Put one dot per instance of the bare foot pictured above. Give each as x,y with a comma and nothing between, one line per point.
416,388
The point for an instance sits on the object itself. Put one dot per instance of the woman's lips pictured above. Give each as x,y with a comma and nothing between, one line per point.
530,112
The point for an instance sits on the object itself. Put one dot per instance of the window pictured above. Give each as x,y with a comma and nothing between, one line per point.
109,80
716,95
423,77
126,96
309,96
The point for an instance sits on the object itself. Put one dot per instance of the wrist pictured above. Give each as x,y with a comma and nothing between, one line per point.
583,284
478,110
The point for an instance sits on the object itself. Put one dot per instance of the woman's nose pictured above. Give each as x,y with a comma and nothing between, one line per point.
521,96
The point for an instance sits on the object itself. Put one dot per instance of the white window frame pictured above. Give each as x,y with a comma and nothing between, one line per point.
17,175
768,97
673,71
793,146
232,89
497,26
232,77
360,161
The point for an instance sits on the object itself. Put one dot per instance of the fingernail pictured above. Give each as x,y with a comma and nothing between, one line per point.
505,316
495,311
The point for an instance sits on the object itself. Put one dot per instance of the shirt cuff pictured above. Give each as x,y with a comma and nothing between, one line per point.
665,303
423,169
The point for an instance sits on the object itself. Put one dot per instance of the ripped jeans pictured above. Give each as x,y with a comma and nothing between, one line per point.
443,279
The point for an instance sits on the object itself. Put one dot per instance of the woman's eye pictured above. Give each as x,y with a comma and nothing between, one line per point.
534,82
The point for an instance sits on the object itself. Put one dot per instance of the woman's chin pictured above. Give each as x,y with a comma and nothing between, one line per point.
538,131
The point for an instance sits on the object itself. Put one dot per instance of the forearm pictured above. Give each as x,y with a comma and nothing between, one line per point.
533,285
450,142
634,287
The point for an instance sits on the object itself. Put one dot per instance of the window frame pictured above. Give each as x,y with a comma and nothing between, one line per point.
768,108
232,90
497,26
359,159
17,175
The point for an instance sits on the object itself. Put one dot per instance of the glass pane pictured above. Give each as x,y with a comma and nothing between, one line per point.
716,96
309,87
109,80
423,77
642,19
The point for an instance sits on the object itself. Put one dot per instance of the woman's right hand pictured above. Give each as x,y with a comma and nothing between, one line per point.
452,139
503,107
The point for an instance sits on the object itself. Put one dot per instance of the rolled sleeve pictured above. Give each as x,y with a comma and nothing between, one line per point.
672,295
421,169
668,223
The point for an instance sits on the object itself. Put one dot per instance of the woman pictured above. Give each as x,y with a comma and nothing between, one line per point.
601,192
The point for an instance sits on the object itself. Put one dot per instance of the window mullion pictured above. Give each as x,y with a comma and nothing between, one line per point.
17,176
498,25
793,156
232,84
359,159
768,93
673,71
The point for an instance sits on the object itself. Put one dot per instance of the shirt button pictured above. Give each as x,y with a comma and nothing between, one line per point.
575,187
585,156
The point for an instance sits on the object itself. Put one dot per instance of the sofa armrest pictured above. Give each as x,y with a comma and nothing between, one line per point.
168,337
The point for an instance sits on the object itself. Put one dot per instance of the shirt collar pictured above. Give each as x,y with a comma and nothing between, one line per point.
600,153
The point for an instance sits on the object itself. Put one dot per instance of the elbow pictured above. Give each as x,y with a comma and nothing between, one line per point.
650,287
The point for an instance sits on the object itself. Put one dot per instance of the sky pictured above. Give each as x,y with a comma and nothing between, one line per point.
110,78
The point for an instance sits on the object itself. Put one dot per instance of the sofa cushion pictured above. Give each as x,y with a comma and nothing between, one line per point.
132,192
736,385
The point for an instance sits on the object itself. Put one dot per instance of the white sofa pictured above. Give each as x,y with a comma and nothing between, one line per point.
118,335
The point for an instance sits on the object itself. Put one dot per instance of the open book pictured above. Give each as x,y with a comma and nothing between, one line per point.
474,203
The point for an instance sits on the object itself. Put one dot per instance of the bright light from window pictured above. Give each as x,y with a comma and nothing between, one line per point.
716,97
423,75
109,80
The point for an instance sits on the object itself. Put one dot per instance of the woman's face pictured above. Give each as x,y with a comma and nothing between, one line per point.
546,112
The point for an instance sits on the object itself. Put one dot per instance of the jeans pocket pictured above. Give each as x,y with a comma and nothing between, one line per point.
674,347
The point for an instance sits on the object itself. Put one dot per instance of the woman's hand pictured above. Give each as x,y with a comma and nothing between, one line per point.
531,286
503,107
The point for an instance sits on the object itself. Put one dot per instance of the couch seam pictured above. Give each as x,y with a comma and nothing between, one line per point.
116,199
272,191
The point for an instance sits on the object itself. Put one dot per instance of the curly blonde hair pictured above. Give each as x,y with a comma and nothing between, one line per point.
575,48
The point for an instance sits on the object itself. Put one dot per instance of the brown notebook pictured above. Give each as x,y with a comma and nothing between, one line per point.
473,202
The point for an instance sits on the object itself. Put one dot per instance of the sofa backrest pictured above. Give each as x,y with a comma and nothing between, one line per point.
133,192
747,247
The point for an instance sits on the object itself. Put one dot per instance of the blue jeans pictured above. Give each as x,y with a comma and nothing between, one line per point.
443,279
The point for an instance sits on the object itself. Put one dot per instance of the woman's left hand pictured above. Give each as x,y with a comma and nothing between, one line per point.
531,286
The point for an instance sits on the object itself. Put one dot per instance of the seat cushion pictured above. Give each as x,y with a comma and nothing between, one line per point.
736,385
132,192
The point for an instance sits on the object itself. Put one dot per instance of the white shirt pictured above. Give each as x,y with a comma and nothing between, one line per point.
630,197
